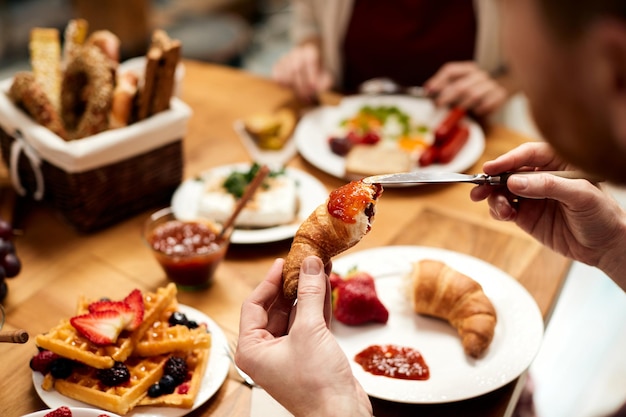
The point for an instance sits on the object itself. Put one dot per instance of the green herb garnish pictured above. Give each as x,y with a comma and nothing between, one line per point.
237,181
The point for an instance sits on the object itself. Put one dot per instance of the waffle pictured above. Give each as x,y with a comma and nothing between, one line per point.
65,341
162,338
186,393
83,385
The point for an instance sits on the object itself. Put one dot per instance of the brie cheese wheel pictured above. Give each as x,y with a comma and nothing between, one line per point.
270,206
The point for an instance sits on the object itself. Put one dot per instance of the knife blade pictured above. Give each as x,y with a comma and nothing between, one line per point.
420,177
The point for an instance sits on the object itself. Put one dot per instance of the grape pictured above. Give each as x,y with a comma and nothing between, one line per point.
340,146
6,231
6,246
11,265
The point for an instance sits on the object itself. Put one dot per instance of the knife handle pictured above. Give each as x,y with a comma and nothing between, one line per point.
501,179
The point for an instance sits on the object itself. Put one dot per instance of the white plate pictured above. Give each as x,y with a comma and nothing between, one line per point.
453,375
214,376
312,132
274,159
76,412
311,193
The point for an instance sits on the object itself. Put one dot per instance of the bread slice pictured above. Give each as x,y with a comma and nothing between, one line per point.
381,158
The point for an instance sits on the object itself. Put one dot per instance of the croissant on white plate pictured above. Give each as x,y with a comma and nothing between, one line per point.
334,226
440,291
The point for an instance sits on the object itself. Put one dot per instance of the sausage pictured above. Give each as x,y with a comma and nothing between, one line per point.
429,156
448,125
449,149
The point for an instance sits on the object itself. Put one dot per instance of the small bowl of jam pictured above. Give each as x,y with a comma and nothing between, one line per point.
189,251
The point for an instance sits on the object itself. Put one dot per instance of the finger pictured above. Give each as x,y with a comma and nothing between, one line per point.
490,102
529,154
311,71
312,290
481,192
501,207
279,315
325,81
254,309
540,186
447,74
461,91
475,91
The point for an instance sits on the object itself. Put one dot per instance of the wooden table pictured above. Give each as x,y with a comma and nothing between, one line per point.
59,265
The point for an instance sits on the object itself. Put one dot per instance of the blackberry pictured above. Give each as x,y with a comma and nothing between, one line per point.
116,375
177,368
155,390
61,368
192,324
167,384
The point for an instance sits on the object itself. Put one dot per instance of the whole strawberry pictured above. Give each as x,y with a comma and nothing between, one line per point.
355,301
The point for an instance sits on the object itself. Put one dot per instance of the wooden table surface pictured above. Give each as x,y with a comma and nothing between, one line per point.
59,264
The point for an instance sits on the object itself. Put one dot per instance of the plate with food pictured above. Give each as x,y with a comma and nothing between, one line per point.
454,326
65,411
267,136
285,199
371,135
214,376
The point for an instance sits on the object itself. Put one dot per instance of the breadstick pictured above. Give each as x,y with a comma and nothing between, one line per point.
123,99
45,60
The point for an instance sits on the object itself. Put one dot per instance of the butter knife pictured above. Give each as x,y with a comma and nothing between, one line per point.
420,177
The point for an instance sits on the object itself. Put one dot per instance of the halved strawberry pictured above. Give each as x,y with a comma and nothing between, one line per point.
135,301
120,306
100,327
355,301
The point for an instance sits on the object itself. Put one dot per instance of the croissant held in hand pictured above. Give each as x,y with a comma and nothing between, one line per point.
335,226
440,291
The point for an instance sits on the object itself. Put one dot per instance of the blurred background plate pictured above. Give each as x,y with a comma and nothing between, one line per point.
316,127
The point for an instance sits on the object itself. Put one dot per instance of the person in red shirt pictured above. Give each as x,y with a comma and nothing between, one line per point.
449,47
570,61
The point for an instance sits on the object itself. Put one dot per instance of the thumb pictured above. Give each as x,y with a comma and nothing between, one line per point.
313,291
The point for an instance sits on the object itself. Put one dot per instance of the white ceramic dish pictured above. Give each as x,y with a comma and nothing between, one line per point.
76,412
454,376
311,193
274,159
214,377
312,132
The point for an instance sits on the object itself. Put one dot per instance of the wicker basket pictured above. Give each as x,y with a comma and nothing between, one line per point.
131,169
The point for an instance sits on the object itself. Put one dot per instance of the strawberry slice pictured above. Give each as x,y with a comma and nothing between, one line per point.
101,327
120,306
135,302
